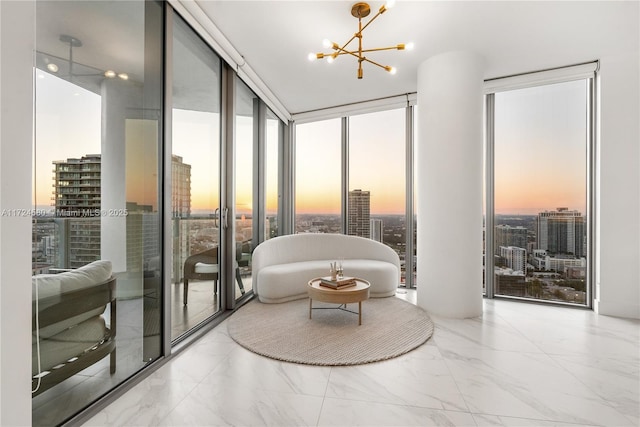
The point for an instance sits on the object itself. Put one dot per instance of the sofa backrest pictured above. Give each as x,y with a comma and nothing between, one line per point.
319,246
49,289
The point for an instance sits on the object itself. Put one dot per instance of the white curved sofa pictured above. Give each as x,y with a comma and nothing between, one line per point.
283,266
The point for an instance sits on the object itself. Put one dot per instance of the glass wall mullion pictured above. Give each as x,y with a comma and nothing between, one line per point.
591,186
489,196
344,187
286,181
165,157
259,177
409,248
227,186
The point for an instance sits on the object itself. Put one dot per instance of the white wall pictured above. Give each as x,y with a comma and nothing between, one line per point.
618,207
16,95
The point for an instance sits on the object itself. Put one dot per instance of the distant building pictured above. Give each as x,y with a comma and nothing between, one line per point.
359,223
541,260
180,187
78,241
509,282
562,232
376,227
515,258
74,239
507,235
76,184
77,198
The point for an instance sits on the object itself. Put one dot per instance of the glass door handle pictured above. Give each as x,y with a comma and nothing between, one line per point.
215,217
225,218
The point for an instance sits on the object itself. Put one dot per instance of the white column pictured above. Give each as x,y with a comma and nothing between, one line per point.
449,173
113,236
17,43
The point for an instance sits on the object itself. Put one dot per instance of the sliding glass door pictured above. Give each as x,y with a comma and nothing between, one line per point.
97,207
247,122
195,180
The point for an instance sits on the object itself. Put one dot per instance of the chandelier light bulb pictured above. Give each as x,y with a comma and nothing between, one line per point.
109,74
409,46
52,67
123,76
330,59
312,57
389,4
326,43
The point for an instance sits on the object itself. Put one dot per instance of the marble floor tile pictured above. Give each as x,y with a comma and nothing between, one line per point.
528,385
223,405
344,412
617,381
253,371
490,331
147,404
498,421
406,380
517,365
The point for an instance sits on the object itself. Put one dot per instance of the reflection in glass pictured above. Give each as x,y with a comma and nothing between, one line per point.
245,120
96,230
195,198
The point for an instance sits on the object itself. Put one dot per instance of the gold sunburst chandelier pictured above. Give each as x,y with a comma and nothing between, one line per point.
360,10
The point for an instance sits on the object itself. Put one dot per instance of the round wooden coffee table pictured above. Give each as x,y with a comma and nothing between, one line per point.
342,296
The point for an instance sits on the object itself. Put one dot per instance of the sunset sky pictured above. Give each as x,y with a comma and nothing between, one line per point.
540,151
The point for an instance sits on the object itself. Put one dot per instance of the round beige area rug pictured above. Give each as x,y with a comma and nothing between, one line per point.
390,327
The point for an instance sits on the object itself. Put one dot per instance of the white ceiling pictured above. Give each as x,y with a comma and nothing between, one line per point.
275,37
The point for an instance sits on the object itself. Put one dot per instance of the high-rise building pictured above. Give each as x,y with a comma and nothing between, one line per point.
359,214
515,258
76,184
180,187
562,232
376,227
507,235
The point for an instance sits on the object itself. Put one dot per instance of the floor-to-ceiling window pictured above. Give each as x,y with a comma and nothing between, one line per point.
540,151
377,178
99,129
247,105
318,172
97,208
195,179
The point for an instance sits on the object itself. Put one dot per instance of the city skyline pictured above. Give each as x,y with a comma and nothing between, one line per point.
69,127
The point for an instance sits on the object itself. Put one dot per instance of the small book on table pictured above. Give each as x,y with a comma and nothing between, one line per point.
337,283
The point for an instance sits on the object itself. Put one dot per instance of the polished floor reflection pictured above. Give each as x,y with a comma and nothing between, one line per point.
202,303
518,365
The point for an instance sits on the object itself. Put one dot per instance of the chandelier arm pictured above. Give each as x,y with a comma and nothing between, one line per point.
344,52
370,21
373,62
347,43
381,48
